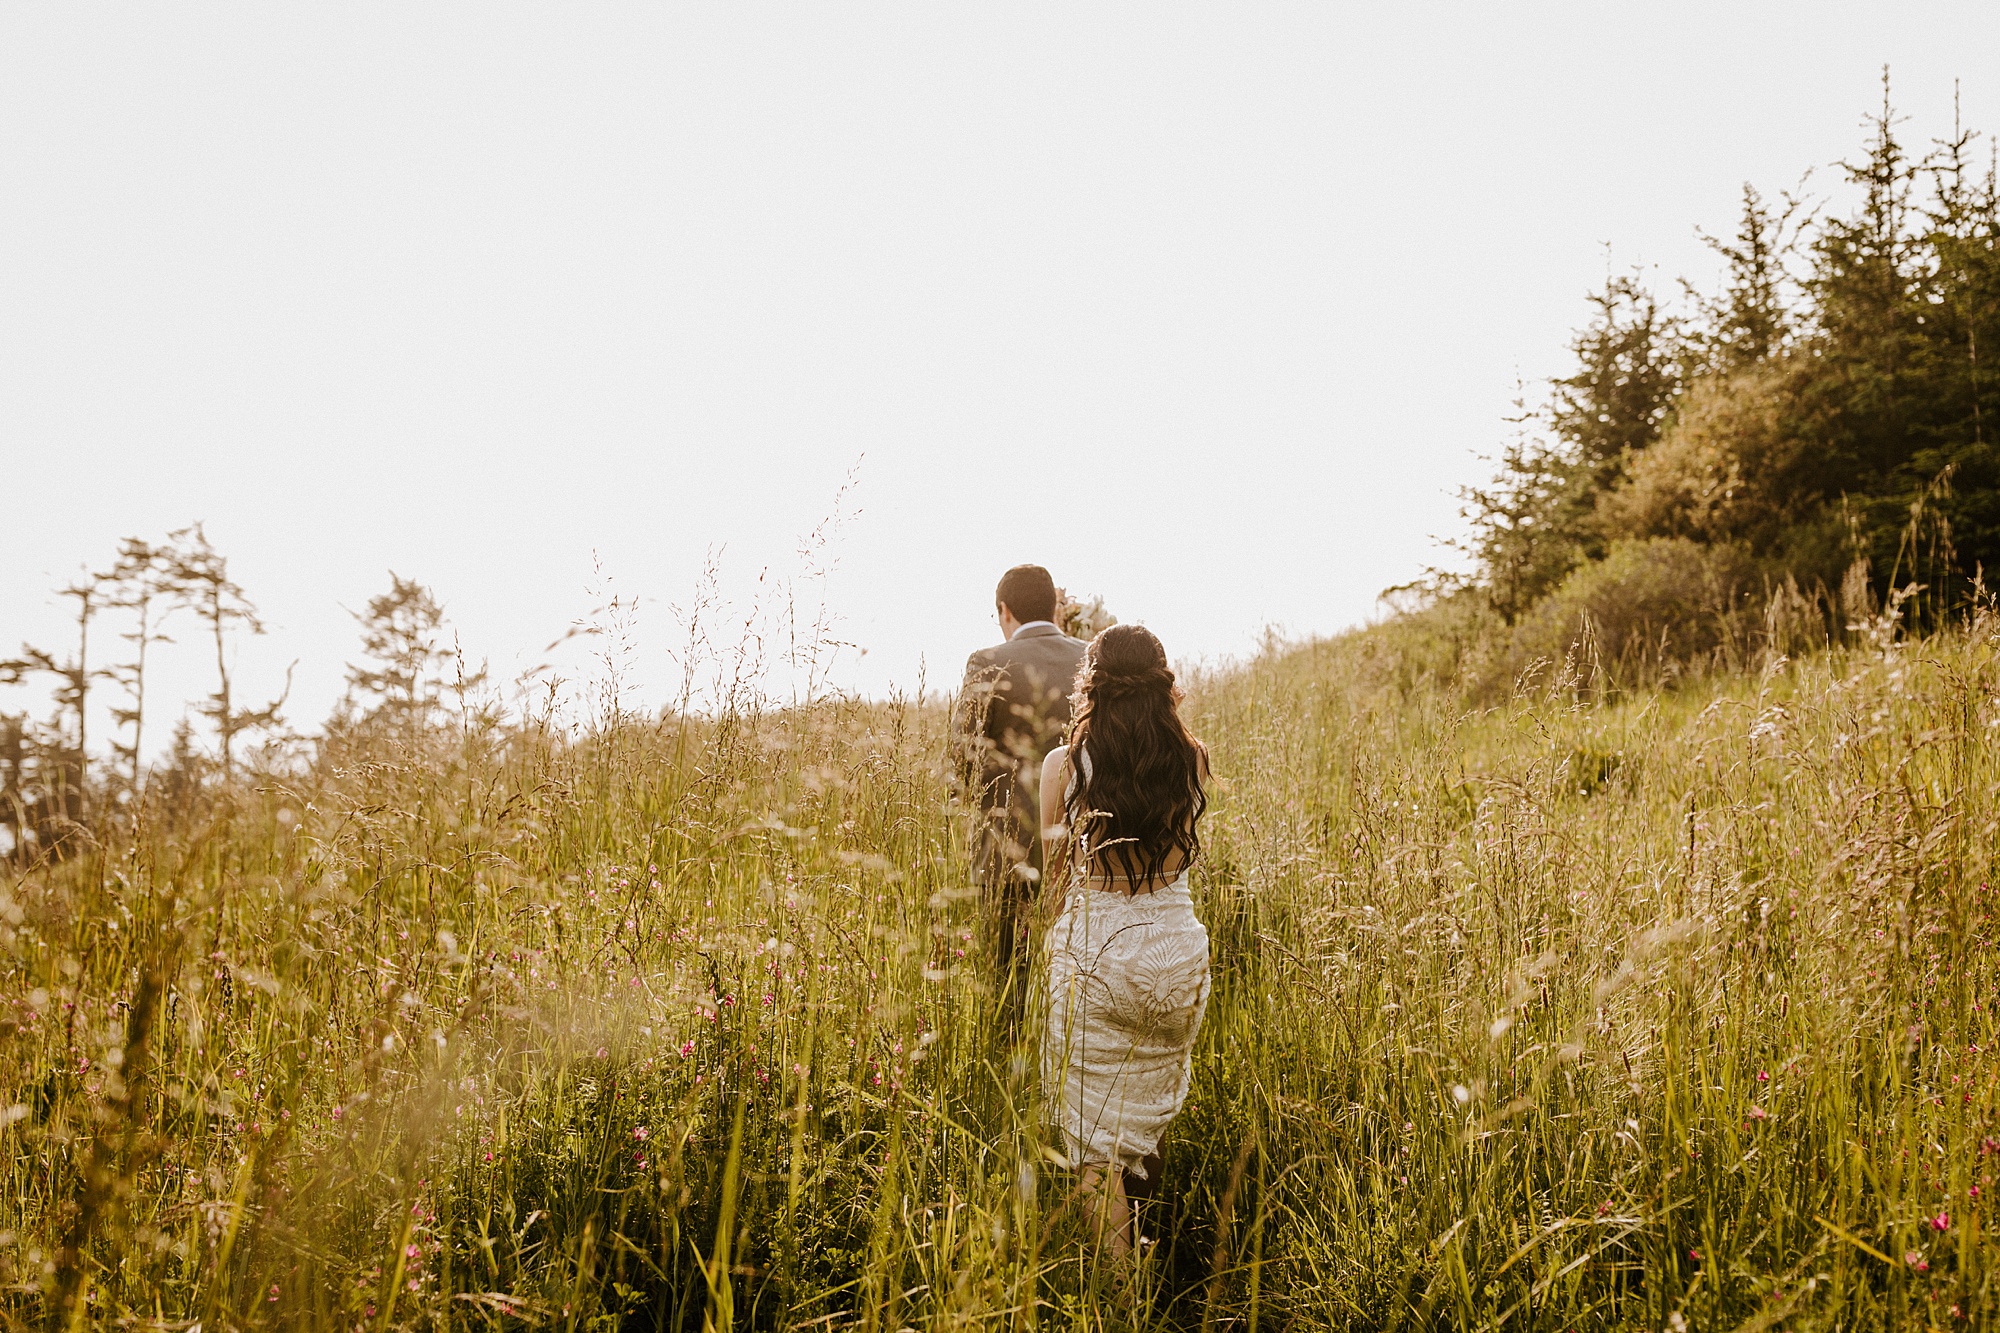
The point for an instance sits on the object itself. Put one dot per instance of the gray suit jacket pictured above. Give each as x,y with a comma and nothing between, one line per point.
1013,710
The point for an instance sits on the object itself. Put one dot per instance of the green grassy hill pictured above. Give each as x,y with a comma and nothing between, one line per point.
1673,1008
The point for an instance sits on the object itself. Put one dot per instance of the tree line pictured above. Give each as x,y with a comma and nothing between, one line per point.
57,781
1820,429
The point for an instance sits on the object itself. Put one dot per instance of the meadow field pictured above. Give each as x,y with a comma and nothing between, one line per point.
1657,1008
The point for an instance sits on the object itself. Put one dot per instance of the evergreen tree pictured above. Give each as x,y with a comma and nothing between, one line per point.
199,578
402,637
1537,521
1518,541
140,581
63,756
1845,412
1630,370
1749,323
1961,318
1859,397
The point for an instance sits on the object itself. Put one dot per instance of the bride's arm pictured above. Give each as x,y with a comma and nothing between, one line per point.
1055,833
1055,778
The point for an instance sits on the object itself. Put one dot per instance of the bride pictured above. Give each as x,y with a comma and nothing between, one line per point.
1128,961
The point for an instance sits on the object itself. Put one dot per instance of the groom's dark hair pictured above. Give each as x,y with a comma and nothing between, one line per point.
1027,591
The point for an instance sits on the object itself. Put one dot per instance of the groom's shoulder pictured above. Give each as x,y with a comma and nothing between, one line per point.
1012,651
1040,649
1058,643
987,667
1028,648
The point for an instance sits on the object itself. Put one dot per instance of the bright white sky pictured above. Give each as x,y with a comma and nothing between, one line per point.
1210,309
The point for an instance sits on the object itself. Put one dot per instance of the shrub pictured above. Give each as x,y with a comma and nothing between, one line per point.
1649,611
1711,475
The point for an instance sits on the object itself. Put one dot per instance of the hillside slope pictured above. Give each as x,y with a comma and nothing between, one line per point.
1555,1013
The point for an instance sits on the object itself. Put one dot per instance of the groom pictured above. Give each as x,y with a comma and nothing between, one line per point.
1012,712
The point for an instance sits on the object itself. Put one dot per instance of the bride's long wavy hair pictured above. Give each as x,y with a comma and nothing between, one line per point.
1141,797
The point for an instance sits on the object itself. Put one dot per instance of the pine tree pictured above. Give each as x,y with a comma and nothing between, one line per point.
199,578
1804,419
65,763
1750,322
1537,521
1518,539
1961,318
1866,289
140,581
402,637
1630,369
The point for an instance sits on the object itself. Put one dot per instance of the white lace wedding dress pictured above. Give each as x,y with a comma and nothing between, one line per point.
1128,984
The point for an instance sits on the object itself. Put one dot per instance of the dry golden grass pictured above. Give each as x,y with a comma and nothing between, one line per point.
1674,1008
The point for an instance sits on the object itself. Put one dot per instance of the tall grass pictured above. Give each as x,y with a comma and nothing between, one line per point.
1669,1010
